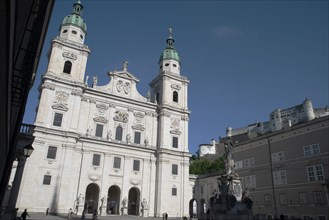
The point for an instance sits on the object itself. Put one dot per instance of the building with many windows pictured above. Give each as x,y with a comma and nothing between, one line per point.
106,147
286,171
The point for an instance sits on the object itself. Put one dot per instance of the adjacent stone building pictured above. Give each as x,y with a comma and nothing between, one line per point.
106,147
286,171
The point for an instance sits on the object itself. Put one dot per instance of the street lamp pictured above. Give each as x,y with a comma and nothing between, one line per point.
28,149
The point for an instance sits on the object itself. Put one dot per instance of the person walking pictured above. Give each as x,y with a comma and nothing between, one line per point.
24,214
95,214
47,211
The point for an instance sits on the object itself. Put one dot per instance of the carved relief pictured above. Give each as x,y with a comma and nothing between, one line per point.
130,109
175,86
175,131
121,86
185,118
61,97
111,105
138,127
76,92
126,87
47,85
101,119
138,117
174,123
148,113
165,114
121,116
101,108
70,55
92,100
60,107
84,98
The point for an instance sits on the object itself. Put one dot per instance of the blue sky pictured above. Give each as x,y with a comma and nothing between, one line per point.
243,58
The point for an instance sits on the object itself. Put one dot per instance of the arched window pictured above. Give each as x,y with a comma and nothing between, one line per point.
157,97
118,133
175,96
67,67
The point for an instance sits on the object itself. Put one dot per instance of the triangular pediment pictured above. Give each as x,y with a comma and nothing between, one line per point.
60,107
125,75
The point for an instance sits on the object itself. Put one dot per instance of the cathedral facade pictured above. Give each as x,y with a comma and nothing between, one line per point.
107,148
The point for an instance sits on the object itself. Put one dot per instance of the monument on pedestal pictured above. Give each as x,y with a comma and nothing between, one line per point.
145,208
229,202
124,209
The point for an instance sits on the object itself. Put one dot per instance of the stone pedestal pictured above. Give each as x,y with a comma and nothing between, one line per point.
124,211
145,213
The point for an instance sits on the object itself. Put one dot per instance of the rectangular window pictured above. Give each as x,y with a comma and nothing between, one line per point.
174,191
201,189
303,198
315,173
174,169
51,152
99,130
267,200
136,165
238,164
248,162
278,156
250,181
193,189
312,149
117,163
58,119
175,142
280,177
46,179
137,137
96,160
318,199
283,199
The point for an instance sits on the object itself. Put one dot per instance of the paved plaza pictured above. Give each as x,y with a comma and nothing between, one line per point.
38,216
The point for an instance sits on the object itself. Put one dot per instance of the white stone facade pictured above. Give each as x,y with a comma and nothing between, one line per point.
107,147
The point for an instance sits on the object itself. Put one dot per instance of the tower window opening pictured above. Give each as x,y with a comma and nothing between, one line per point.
67,67
174,65
74,32
65,31
157,97
81,36
175,96
161,67
167,64
118,133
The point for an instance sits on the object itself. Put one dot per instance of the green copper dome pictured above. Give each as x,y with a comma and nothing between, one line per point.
75,17
169,53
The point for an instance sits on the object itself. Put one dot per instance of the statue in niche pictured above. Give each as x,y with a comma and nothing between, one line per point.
119,86
146,142
108,135
128,138
124,202
126,87
144,204
88,131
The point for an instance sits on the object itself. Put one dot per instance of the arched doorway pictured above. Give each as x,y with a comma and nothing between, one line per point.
202,207
133,201
92,195
113,200
193,208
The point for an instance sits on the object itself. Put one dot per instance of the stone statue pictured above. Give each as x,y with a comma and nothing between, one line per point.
108,135
87,77
146,142
124,202
228,148
88,131
128,138
125,65
94,81
144,204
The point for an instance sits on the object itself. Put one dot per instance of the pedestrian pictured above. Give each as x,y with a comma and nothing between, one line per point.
95,215
24,214
47,211
69,214
83,214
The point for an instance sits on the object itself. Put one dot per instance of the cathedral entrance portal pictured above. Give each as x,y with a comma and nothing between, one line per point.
193,208
133,201
92,195
113,200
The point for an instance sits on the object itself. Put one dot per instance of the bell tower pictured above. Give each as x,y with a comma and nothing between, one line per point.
169,92
68,54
